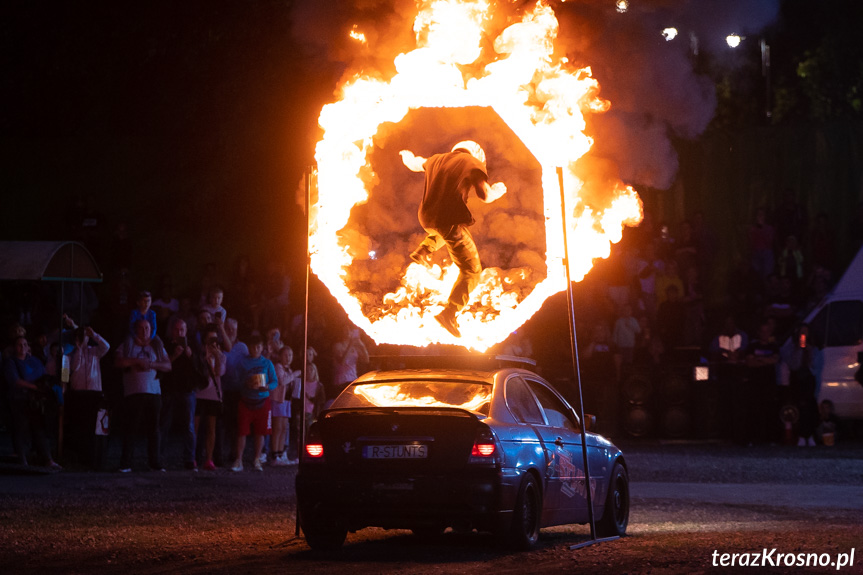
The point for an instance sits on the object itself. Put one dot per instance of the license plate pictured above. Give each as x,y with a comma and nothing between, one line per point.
395,451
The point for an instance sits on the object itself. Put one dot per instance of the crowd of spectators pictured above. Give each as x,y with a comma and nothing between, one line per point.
215,365
179,369
662,304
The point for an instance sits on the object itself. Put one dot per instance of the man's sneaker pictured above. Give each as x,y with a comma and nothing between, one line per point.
293,462
422,257
238,466
258,466
209,466
447,319
263,458
125,470
278,460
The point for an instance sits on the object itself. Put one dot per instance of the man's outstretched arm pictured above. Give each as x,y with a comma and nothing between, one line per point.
489,193
413,163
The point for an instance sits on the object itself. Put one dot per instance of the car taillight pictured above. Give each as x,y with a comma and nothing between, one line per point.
484,448
315,450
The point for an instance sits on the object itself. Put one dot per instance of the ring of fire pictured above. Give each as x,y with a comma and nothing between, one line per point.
537,98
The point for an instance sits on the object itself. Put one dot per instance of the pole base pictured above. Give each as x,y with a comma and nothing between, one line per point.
592,541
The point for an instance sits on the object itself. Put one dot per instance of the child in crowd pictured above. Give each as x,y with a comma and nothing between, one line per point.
281,396
314,396
214,304
254,416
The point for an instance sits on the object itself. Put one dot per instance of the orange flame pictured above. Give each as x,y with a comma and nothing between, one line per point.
397,395
357,35
541,101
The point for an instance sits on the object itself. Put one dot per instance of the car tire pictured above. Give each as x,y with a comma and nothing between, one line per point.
524,531
615,516
322,532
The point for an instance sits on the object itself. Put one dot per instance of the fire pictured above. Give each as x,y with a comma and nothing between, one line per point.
398,395
357,35
539,98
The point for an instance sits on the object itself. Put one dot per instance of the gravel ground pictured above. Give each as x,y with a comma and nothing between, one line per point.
221,522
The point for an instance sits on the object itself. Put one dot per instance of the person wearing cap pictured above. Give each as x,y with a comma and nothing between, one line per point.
443,213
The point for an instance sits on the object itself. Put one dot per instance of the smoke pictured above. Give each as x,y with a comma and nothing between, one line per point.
655,93
510,232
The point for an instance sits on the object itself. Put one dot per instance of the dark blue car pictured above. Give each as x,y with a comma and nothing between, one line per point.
495,449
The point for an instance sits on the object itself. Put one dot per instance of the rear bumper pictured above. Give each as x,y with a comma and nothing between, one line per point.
479,498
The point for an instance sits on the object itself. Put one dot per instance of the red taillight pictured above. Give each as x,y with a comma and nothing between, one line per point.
483,449
315,449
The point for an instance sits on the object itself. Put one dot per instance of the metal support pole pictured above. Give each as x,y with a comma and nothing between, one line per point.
577,372
311,172
59,368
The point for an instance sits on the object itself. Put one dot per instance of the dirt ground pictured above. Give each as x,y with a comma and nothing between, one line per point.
689,501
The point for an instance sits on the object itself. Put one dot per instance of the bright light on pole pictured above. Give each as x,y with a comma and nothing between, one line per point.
669,34
733,40
622,5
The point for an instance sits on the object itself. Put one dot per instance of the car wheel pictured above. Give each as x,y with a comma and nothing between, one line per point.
322,532
615,517
524,532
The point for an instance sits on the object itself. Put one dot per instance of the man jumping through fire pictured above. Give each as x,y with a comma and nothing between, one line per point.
443,213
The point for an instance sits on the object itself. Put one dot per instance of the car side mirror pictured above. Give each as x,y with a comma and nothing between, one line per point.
589,422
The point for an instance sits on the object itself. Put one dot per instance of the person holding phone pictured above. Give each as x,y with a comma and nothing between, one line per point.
348,352
84,396
205,319
178,391
208,400
214,305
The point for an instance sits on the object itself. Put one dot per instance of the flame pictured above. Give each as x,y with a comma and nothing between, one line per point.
538,97
357,35
399,395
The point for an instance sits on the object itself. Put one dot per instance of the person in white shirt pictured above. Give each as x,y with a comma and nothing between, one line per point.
84,396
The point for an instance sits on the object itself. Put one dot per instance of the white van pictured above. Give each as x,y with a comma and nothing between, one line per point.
836,327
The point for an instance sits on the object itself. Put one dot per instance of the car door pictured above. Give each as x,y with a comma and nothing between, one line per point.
524,407
562,433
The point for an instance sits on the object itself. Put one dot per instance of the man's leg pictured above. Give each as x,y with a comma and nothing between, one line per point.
152,409
430,244
166,419
259,449
241,446
188,407
131,422
462,250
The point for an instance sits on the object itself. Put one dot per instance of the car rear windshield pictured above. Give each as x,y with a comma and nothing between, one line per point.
470,396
